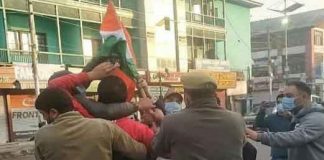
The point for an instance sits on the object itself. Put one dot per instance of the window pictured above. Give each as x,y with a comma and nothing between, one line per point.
209,8
41,42
198,47
13,40
21,40
318,38
210,49
196,6
90,47
188,8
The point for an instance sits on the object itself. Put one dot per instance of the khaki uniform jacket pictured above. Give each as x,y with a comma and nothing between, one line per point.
201,132
73,137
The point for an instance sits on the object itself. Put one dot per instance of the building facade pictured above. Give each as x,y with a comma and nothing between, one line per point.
305,53
173,35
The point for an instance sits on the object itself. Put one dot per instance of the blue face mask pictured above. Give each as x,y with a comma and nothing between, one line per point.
172,107
288,104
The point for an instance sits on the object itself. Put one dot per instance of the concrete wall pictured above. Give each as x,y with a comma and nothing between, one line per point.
71,36
48,26
238,48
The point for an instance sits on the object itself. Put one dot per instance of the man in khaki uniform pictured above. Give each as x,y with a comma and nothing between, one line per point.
202,130
70,136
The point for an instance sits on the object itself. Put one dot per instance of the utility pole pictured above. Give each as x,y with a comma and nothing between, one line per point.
286,42
176,34
269,62
33,45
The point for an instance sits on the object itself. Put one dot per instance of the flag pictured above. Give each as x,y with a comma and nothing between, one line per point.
117,42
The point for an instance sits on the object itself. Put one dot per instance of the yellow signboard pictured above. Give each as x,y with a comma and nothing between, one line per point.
224,80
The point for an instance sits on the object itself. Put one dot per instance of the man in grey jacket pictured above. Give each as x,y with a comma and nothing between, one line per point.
306,140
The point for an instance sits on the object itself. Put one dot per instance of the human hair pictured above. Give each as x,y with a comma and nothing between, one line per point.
54,98
160,105
301,86
59,74
279,97
174,97
112,90
201,93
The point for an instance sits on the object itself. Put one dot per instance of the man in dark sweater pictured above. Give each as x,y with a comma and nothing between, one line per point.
275,122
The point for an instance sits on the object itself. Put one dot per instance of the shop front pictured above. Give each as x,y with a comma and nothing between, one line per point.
160,82
18,117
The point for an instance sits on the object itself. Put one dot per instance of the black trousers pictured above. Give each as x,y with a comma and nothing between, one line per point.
249,152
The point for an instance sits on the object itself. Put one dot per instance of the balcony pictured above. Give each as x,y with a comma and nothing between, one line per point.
9,56
205,20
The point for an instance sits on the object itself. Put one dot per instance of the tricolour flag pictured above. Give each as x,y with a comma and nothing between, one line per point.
117,41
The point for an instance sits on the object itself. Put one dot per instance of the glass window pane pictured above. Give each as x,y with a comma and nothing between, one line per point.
210,49
196,6
87,47
129,4
25,42
13,40
41,42
198,47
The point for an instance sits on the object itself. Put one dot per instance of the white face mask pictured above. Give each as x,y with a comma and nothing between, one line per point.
172,107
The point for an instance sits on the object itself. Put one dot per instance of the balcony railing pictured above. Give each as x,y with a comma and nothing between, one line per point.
9,56
205,20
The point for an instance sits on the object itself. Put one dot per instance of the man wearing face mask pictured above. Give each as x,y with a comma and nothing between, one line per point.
201,130
275,122
70,136
172,102
306,140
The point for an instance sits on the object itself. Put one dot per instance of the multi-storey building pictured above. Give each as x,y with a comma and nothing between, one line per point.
305,52
179,35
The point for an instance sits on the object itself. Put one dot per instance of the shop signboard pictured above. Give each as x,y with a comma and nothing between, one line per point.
24,117
7,77
24,74
172,77
224,80
212,64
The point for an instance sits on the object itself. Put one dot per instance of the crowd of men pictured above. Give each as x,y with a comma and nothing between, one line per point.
104,129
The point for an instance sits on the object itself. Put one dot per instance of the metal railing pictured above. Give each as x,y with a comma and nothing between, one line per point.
205,19
9,56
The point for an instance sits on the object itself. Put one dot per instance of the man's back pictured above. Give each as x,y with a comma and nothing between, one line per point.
203,133
72,137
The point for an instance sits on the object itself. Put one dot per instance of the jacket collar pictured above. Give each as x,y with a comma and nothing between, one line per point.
204,103
68,115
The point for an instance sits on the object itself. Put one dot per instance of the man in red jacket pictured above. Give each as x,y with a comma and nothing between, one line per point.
69,82
110,90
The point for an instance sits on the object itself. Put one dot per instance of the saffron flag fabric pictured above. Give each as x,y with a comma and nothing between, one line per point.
117,42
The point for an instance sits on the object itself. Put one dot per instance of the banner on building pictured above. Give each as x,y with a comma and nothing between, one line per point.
173,77
212,64
24,117
7,77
